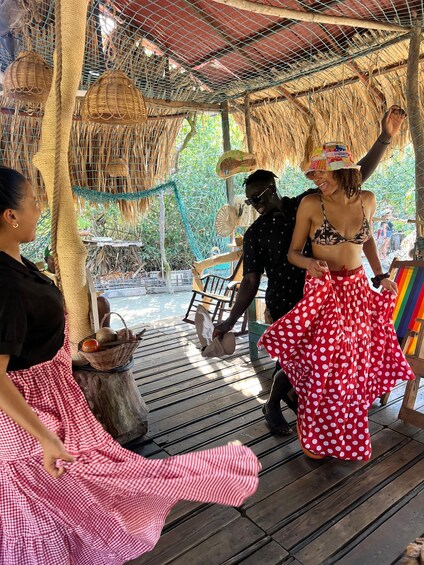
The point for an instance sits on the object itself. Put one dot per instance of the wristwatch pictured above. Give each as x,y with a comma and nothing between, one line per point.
376,281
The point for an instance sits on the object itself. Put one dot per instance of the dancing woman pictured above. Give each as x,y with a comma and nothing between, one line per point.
68,492
338,344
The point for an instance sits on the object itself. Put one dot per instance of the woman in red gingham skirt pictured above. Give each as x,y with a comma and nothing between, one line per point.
69,494
337,345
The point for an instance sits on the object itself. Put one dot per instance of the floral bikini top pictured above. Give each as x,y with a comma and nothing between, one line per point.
326,234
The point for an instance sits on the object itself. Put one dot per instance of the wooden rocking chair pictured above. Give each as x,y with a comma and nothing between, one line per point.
217,294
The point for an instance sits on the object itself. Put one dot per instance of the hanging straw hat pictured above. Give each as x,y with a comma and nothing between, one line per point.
212,347
233,162
332,156
114,99
28,78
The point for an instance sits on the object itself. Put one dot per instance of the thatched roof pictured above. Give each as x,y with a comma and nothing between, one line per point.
306,80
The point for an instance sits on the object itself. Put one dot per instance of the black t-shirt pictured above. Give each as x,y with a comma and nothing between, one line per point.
265,247
32,319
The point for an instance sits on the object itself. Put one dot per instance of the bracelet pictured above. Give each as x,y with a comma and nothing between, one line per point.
376,281
383,142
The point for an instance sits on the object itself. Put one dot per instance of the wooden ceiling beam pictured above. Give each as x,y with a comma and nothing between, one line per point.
354,66
331,86
289,96
309,16
304,72
254,38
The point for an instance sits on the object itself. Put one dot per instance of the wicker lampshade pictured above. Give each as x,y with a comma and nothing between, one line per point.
114,99
118,168
28,78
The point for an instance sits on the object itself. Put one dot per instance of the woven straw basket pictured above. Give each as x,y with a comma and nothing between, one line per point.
114,356
118,168
114,99
28,78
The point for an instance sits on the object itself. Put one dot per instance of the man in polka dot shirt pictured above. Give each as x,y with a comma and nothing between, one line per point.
265,247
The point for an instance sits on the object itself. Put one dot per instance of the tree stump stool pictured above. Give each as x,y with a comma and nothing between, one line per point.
115,401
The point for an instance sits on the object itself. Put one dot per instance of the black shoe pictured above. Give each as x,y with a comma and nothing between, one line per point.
277,424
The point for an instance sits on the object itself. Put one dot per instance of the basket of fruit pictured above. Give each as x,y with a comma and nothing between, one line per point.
108,349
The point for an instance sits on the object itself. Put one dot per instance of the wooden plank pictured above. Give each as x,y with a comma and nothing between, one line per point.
390,414
390,539
419,436
350,494
210,421
232,378
190,533
309,488
326,546
270,554
286,465
221,546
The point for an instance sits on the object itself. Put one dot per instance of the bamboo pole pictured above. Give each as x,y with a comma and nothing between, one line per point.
312,17
416,123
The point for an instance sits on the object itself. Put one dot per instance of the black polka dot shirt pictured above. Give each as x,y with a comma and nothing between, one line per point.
265,247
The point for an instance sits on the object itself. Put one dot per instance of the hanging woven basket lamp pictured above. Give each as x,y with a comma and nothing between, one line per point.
118,168
114,99
28,78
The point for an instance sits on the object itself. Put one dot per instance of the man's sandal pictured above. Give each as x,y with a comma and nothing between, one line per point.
308,453
277,424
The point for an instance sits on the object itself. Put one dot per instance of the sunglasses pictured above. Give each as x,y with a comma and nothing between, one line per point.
255,199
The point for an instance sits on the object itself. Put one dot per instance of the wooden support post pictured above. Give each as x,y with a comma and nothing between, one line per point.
248,123
226,139
416,122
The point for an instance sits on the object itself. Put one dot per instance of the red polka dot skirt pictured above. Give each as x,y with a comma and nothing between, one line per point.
111,504
339,349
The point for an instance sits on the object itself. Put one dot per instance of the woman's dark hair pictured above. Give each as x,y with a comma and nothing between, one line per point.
11,189
349,180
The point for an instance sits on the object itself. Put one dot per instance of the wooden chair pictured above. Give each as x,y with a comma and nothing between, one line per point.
408,318
217,294
255,327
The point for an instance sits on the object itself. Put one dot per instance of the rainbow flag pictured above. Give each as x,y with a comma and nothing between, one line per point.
409,302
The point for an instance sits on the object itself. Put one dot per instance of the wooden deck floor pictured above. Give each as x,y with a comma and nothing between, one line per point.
304,512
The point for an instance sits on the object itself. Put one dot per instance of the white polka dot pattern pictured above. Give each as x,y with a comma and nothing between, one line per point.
339,348
111,504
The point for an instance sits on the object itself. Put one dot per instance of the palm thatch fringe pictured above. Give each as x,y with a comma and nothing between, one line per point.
145,153
351,113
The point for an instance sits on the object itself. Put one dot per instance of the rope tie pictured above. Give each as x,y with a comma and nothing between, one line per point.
58,141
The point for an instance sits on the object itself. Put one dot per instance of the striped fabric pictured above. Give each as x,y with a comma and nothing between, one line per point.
410,300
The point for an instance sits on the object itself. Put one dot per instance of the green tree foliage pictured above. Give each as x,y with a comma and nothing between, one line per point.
203,193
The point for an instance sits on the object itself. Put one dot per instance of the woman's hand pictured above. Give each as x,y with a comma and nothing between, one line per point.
53,449
389,285
392,121
317,268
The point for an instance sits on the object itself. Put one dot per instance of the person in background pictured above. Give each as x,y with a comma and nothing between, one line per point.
385,232
265,247
338,345
68,492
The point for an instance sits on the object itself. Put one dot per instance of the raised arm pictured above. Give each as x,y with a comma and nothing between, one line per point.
390,126
301,231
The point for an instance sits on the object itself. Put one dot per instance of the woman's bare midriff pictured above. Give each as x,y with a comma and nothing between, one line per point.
337,257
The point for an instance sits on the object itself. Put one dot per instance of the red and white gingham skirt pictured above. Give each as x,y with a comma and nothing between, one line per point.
111,504
339,349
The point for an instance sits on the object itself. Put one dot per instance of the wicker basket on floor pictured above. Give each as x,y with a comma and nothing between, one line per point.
117,354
